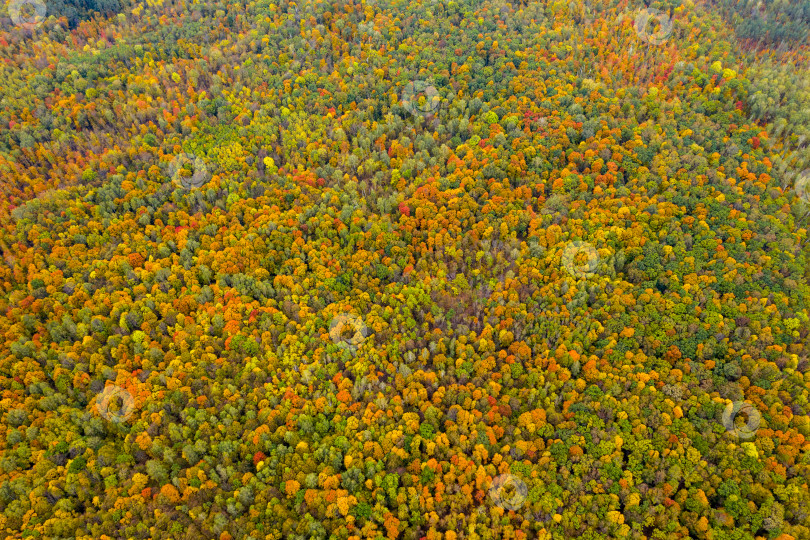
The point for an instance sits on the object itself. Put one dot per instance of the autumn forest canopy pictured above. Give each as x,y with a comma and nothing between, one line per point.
429,269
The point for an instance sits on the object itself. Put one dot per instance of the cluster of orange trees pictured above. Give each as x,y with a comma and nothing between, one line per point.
387,269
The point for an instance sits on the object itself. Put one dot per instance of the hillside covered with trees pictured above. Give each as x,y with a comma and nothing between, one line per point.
431,269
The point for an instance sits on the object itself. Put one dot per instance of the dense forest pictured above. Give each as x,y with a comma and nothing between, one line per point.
430,269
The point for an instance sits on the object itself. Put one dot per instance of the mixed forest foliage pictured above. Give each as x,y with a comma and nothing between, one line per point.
405,269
